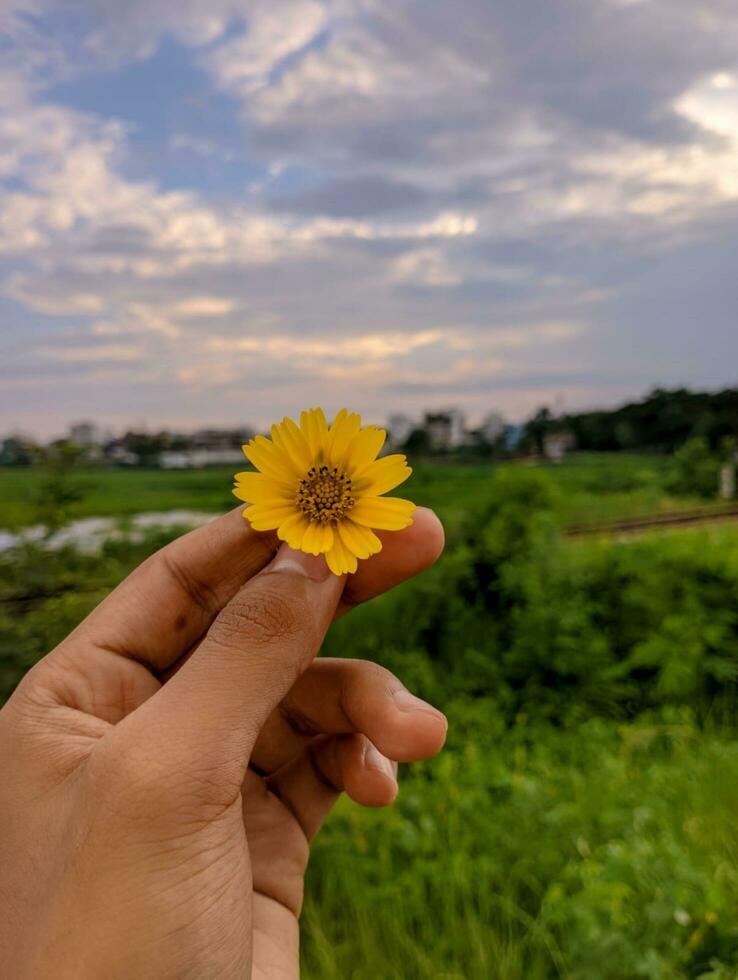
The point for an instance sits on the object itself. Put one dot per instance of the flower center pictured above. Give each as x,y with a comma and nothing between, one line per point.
325,495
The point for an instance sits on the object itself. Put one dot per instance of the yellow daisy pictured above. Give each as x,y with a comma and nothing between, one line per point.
321,488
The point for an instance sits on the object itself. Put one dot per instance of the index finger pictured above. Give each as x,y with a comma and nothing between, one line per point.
166,605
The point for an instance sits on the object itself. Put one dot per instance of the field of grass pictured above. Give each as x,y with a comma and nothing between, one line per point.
588,487
582,822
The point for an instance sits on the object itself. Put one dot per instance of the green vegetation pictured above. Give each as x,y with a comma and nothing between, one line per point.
583,820
694,466
663,420
114,492
586,487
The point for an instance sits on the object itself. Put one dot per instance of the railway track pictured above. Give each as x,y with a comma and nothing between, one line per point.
655,522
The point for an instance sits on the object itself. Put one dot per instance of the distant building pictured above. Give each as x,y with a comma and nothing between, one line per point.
513,436
85,435
556,445
197,459
220,438
117,454
17,450
492,428
445,429
399,429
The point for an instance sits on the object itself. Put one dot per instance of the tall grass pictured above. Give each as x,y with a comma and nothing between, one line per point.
599,851
581,823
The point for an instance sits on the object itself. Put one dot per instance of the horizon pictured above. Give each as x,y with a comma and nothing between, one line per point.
471,422
235,211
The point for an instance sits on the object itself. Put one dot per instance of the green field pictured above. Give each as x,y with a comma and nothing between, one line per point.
583,820
587,487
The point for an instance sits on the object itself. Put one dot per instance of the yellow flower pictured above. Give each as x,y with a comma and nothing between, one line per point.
321,488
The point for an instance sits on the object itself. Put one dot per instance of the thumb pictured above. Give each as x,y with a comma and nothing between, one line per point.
210,713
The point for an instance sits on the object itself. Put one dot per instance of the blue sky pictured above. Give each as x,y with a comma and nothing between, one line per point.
221,212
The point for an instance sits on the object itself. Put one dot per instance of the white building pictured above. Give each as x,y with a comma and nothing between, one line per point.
493,427
446,429
85,434
197,459
399,429
557,445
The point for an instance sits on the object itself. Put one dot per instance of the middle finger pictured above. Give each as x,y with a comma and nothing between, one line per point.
335,697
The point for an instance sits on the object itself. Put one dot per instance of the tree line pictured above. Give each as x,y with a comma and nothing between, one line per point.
663,421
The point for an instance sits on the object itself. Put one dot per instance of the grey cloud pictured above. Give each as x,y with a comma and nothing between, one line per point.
118,240
494,383
352,197
414,109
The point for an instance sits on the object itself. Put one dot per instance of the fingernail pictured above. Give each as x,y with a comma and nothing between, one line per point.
297,562
406,701
374,760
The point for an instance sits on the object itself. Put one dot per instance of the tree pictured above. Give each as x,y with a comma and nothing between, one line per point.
694,470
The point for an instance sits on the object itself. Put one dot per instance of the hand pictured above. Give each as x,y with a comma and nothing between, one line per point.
165,767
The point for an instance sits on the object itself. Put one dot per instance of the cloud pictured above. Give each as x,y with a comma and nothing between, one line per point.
357,197
425,267
448,197
366,347
89,355
273,34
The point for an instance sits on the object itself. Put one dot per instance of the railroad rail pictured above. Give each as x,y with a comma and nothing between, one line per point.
653,522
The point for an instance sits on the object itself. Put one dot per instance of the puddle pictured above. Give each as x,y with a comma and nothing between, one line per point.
90,533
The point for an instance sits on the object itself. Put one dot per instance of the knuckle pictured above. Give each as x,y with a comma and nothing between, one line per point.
259,617
375,676
199,592
135,784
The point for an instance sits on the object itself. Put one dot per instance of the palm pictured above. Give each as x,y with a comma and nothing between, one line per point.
279,854
180,749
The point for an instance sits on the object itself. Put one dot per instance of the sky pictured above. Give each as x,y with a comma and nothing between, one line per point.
218,212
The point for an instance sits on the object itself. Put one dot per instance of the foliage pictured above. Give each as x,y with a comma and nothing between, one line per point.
565,629
664,420
695,469
581,822
586,487
532,852
60,489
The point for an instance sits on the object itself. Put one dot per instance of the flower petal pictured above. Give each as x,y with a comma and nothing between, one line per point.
382,475
364,448
315,430
318,539
269,459
293,530
360,541
344,429
339,559
268,517
288,437
256,488
384,513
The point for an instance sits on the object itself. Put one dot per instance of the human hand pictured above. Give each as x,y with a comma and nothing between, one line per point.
167,764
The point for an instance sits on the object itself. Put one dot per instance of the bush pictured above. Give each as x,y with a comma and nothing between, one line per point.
581,822
695,470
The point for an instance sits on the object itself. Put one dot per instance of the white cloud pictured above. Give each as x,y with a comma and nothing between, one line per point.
366,347
203,306
425,267
519,178
90,355
275,32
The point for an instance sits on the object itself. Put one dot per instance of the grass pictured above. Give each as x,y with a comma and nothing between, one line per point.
581,822
589,487
606,851
112,492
